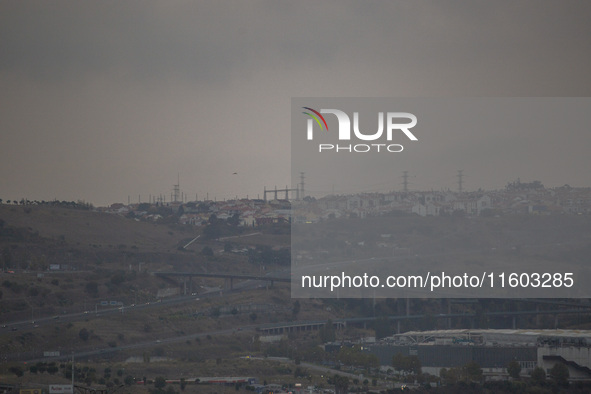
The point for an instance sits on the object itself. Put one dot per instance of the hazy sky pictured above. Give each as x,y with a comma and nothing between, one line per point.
102,100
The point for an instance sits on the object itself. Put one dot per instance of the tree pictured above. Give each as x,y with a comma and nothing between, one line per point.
17,371
560,374
213,218
514,369
234,220
406,364
207,251
159,382
118,277
314,354
52,369
92,288
296,309
538,375
355,357
327,332
341,384
449,376
414,365
300,373
398,362
84,334
472,371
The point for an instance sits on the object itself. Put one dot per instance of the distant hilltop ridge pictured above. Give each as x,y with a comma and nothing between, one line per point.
517,198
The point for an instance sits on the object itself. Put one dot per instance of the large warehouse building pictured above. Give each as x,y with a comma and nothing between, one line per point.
492,350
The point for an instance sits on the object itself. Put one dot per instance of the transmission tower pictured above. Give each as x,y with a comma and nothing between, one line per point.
460,178
302,177
176,189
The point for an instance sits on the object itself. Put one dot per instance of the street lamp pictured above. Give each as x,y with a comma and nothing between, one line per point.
135,296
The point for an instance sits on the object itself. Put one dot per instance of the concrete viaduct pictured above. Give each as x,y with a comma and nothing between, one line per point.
297,326
229,278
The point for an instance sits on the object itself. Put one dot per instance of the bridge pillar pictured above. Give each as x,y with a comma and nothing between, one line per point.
407,306
514,323
449,313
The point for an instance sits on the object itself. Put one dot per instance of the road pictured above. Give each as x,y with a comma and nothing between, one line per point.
101,311
145,344
325,370
39,323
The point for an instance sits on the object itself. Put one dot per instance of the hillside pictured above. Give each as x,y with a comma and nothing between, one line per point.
82,229
59,265
59,259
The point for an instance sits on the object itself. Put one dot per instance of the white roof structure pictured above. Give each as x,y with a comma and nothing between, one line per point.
505,336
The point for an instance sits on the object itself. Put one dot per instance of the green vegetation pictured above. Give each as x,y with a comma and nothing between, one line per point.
406,364
560,374
514,369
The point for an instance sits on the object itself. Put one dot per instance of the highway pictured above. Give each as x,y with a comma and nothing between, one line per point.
140,345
